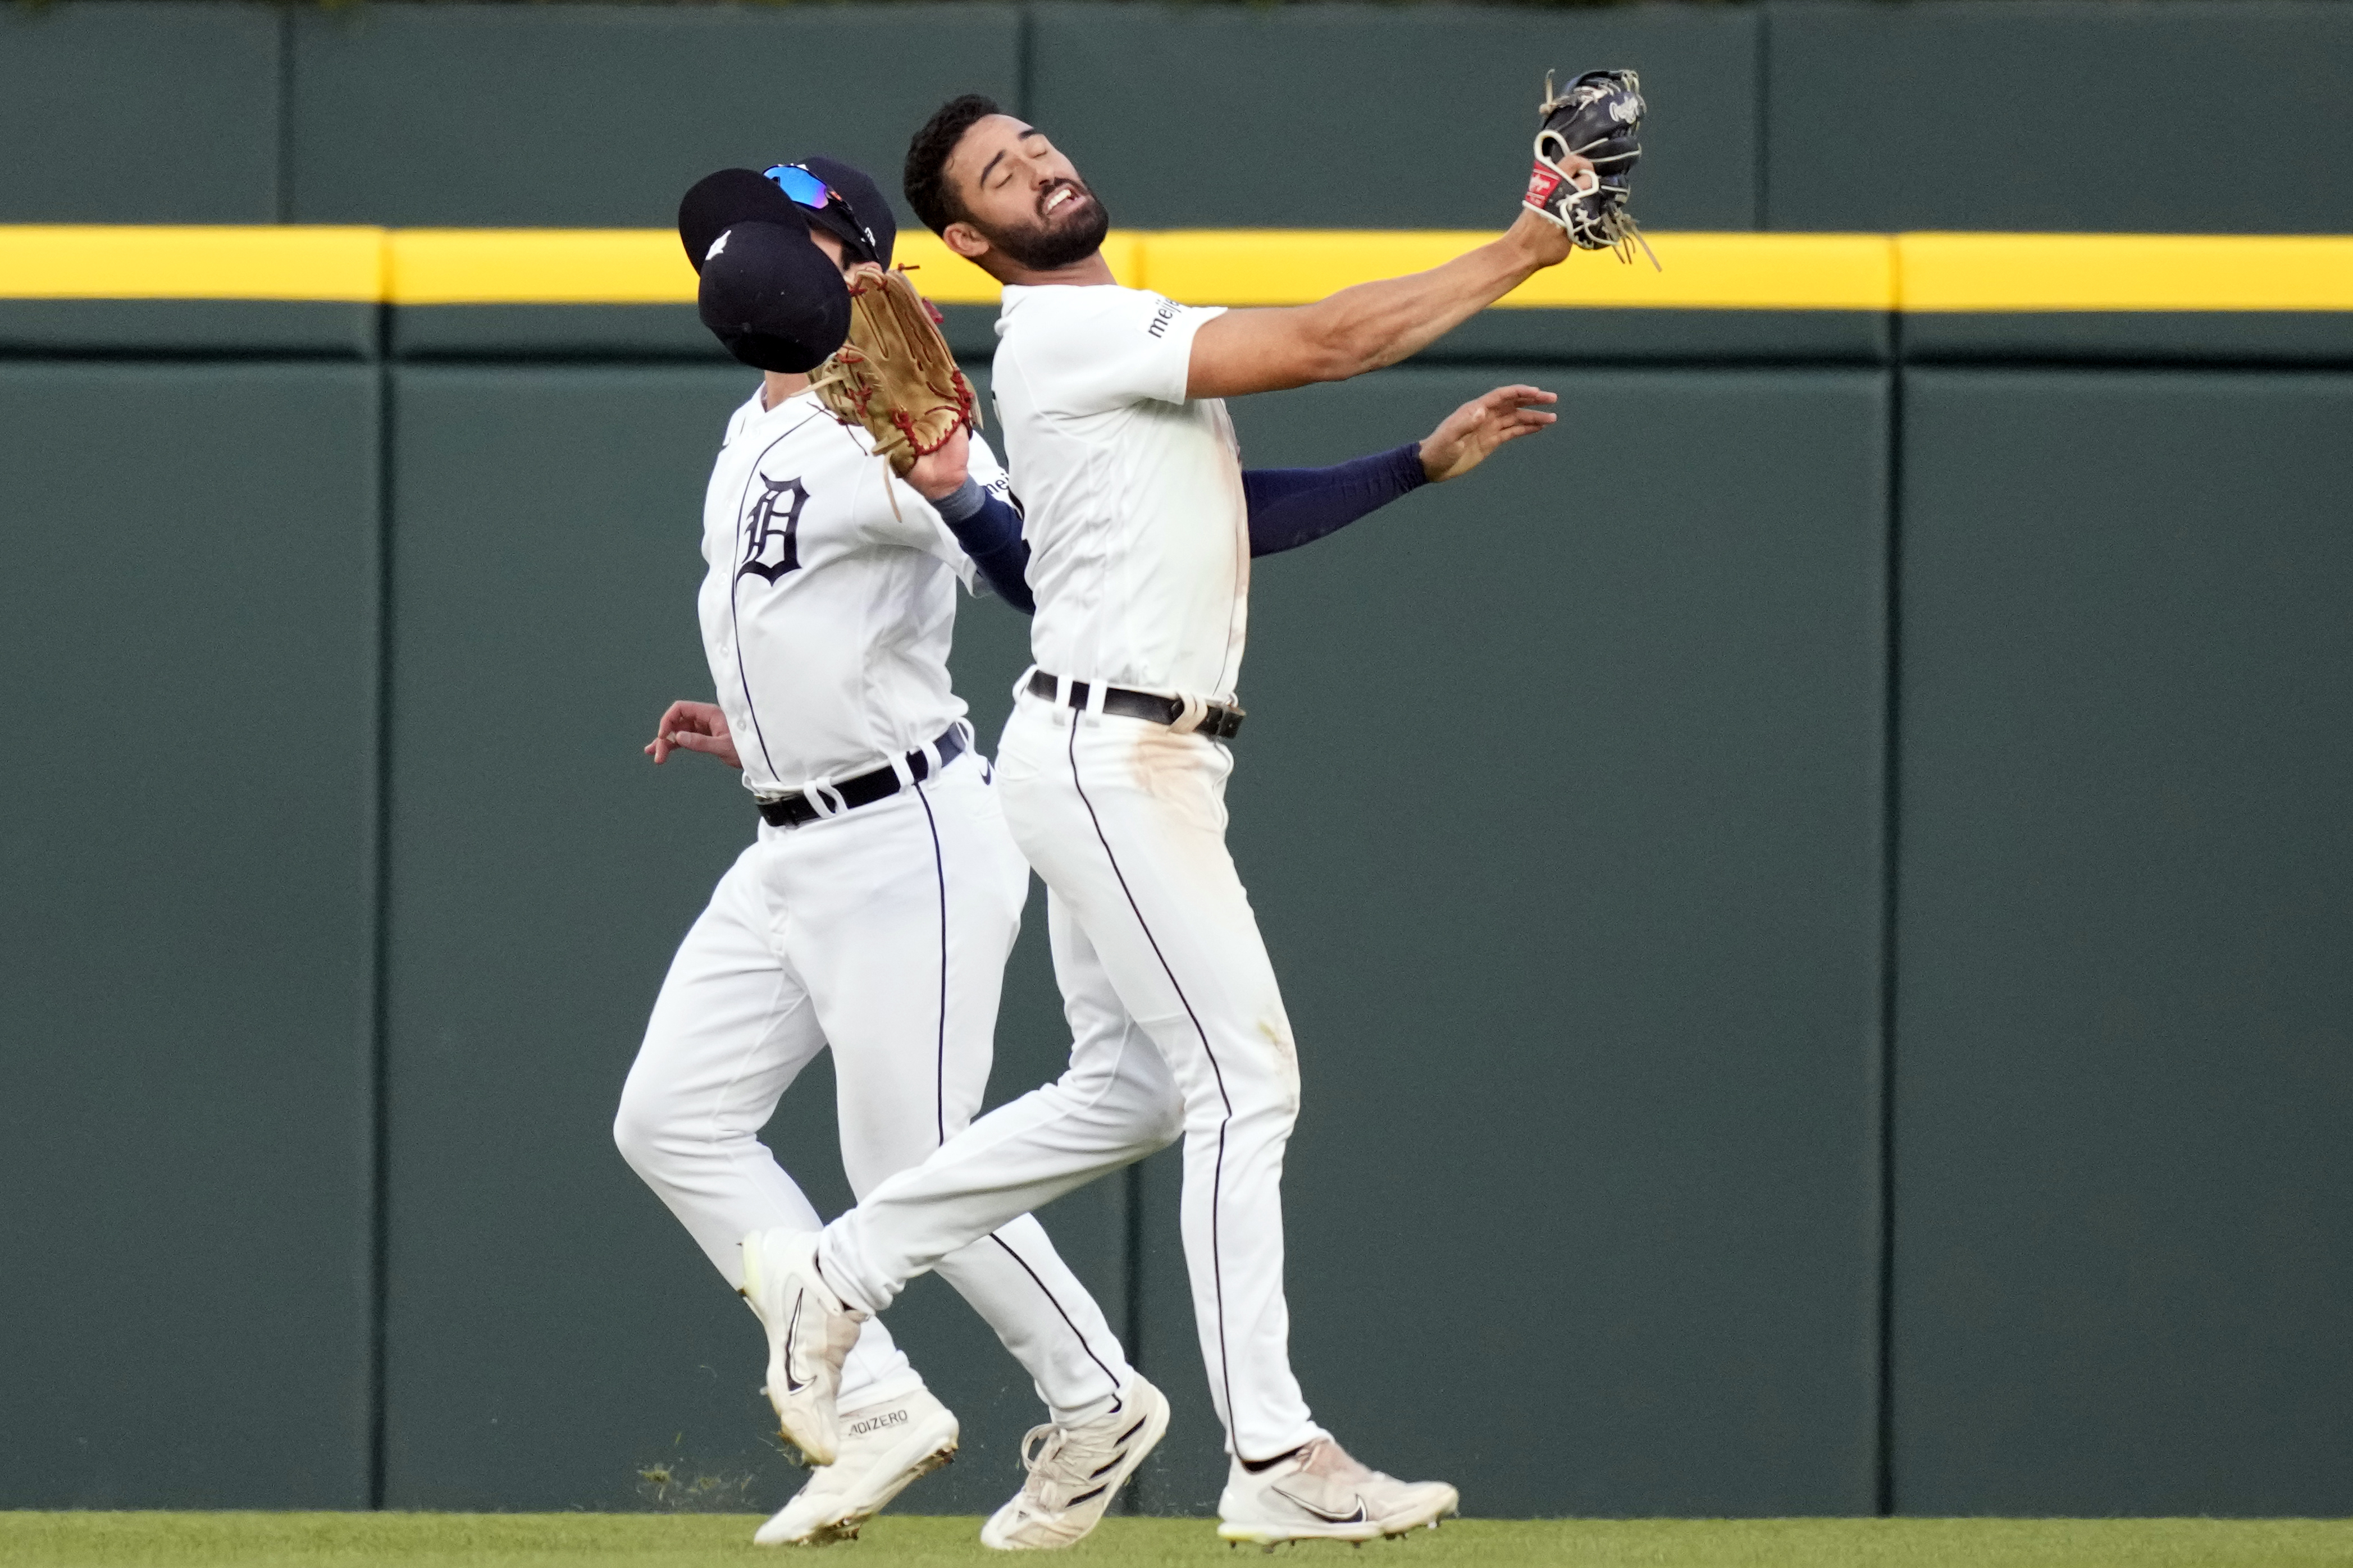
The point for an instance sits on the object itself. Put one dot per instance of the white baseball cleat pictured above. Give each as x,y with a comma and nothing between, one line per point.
810,1331
1319,1493
885,1448
1075,1472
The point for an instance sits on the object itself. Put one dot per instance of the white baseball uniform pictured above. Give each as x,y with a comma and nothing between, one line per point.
881,929
1140,560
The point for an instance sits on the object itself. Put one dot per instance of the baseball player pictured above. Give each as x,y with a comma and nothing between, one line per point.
873,913
1140,523
875,910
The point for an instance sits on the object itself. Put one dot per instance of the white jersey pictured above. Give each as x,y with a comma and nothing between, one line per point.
1139,537
830,602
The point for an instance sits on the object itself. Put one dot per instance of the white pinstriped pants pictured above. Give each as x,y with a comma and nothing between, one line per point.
883,932
1178,1030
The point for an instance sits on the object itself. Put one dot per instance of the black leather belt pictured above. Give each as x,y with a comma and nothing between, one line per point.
796,810
1217,722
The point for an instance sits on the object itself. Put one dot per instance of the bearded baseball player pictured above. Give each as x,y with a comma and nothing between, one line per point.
1140,525
875,910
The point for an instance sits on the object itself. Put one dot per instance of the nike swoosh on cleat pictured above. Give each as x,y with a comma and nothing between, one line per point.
793,1384
1356,1518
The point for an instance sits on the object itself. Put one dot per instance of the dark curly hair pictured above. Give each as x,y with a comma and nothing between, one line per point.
925,179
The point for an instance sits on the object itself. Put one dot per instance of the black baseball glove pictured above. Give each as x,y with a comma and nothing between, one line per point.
1597,119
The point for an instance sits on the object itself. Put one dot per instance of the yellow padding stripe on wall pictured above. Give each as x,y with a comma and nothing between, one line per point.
634,267
2125,272
537,267
133,262
1701,271
1931,272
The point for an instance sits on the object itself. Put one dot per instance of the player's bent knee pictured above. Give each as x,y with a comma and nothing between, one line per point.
629,1138
1265,1108
638,1131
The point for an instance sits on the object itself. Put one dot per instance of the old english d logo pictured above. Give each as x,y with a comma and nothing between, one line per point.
770,548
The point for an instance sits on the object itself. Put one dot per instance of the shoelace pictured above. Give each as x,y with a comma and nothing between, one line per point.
1056,1462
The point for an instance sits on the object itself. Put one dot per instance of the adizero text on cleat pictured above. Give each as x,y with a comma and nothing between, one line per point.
885,1448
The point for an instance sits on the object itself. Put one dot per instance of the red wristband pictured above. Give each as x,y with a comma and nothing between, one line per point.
1544,184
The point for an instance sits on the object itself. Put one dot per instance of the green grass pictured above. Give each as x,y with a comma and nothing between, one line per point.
677,1541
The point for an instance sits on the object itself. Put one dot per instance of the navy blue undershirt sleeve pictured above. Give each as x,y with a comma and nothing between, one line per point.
990,532
1288,507
1292,507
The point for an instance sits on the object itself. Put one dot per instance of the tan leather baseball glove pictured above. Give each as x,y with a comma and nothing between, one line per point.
895,375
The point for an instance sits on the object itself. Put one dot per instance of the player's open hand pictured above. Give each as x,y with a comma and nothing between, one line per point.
693,727
940,474
1464,438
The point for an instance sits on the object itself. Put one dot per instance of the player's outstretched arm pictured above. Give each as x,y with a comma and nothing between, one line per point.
1370,325
693,727
1464,438
1292,507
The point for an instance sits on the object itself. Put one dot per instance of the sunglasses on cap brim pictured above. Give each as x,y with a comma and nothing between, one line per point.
803,188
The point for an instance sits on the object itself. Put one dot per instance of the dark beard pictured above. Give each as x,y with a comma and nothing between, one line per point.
1042,248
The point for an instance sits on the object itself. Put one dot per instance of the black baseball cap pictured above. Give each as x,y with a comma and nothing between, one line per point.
720,201
768,293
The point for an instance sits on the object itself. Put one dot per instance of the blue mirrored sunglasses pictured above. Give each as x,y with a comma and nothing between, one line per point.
803,186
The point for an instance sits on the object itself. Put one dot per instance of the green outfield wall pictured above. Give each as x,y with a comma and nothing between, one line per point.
1798,114
1814,897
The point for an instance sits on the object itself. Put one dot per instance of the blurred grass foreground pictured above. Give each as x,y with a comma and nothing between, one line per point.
29,1540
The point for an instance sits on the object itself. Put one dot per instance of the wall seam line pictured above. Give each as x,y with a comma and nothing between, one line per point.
1890,840
1024,72
1761,219
379,936
1133,1500
282,194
